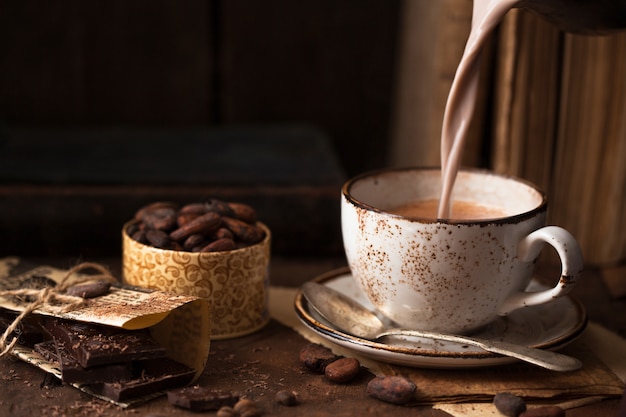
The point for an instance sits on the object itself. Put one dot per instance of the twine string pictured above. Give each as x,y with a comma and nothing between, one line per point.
52,299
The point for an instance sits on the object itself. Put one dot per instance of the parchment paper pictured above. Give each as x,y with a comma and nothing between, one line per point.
181,324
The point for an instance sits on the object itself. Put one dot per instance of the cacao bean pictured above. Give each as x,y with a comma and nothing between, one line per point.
342,370
212,226
204,225
154,206
223,233
243,231
246,408
316,357
509,404
194,208
219,245
243,212
226,411
392,389
158,239
140,236
162,218
133,228
193,241
220,207
91,289
287,398
184,218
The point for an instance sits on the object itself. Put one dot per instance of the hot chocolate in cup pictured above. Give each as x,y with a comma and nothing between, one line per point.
450,275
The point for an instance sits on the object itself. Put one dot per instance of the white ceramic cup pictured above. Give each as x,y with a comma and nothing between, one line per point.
446,275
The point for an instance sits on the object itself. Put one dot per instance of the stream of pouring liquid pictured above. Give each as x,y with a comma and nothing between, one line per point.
486,15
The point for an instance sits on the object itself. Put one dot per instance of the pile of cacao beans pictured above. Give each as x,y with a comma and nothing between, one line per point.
211,226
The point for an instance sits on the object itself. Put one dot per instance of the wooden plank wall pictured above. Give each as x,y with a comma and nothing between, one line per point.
198,62
130,67
102,62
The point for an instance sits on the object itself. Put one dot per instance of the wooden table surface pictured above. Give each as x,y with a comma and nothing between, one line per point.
260,364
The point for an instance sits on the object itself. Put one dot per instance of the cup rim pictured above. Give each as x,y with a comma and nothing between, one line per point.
516,218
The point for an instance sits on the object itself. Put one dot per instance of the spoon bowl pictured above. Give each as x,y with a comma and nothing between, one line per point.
354,319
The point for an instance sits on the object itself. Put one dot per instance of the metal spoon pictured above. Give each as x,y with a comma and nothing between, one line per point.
352,318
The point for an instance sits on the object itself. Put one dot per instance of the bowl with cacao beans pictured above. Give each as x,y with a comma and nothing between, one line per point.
215,249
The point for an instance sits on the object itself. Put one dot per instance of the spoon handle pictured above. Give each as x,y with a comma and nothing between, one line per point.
544,358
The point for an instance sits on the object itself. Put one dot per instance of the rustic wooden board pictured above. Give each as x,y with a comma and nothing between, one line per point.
258,365
70,192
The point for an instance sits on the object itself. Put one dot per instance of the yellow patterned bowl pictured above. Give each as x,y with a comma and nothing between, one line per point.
235,282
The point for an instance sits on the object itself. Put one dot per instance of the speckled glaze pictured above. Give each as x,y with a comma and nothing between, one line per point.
449,276
236,282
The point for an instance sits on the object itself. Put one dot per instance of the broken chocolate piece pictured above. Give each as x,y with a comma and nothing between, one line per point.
151,376
72,372
94,345
49,351
27,332
198,398
91,289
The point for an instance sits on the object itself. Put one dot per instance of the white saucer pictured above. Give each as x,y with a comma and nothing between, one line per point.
547,326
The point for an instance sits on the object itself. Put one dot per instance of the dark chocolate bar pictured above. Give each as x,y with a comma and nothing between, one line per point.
151,376
94,345
48,351
27,333
72,372
198,398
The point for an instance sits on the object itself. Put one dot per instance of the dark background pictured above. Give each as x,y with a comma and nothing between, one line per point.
209,63
107,105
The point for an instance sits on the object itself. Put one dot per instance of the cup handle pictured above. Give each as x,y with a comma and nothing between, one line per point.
571,266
